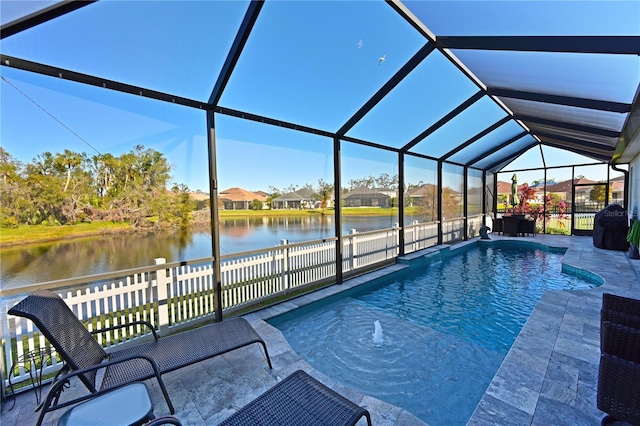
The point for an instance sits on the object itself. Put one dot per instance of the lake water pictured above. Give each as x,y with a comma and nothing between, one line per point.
35,263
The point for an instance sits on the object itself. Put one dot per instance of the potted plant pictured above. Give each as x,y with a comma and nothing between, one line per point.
633,237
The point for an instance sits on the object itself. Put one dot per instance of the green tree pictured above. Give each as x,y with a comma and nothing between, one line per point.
256,204
181,206
323,192
273,193
597,193
14,205
428,203
9,167
367,182
103,168
67,161
386,181
69,187
451,203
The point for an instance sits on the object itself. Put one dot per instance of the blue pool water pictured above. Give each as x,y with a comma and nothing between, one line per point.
447,324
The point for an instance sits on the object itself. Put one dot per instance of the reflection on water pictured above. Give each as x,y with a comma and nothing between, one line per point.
35,263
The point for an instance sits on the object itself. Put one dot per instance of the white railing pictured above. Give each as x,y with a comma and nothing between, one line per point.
453,230
474,223
583,221
175,295
418,236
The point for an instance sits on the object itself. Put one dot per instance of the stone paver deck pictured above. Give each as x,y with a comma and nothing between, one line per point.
548,377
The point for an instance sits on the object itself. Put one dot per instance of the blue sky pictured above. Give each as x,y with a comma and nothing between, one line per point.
312,63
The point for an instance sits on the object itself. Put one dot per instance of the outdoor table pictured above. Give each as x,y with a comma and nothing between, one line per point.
127,405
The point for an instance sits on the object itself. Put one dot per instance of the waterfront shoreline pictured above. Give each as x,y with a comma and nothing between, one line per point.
30,234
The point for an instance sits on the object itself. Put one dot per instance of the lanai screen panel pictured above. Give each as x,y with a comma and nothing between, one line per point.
13,10
421,193
487,143
469,18
428,93
507,152
605,141
555,157
596,77
153,45
464,126
606,120
316,63
553,73
582,75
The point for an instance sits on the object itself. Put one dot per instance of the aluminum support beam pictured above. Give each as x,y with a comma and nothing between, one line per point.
624,45
444,120
242,36
561,100
41,16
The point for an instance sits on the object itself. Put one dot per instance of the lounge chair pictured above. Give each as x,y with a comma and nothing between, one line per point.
81,351
299,399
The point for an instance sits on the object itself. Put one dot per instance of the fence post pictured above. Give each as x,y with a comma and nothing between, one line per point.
396,237
285,266
352,259
161,283
5,350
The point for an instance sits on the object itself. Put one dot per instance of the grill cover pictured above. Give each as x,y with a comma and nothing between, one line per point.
610,228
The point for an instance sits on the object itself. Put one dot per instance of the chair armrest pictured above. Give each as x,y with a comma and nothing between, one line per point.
57,386
618,317
622,304
128,324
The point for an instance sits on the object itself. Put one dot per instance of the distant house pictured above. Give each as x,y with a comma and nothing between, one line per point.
301,199
393,193
423,195
564,191
201,199
199,195
261,193
366,197
617,190
239,199
503,192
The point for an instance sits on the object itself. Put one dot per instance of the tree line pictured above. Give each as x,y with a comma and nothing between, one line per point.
71,187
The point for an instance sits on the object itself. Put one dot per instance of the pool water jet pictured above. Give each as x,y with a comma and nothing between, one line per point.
378,338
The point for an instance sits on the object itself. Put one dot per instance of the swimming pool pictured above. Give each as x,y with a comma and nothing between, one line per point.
447,322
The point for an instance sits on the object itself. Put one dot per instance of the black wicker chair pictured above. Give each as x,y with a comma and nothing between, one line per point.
299,399
620,318
621,310
622,304
511,225
528,227
619,373
81,351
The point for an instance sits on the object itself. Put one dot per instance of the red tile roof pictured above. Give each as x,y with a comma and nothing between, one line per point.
239,194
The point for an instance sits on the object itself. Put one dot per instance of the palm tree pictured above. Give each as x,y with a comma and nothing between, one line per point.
324,193
67,161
